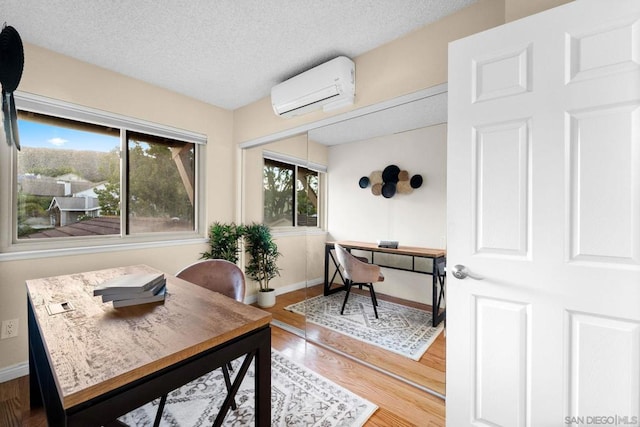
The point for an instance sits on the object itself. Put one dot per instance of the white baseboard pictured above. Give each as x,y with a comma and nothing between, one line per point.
15,371
251,299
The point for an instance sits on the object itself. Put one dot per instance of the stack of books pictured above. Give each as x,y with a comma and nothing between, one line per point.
133,289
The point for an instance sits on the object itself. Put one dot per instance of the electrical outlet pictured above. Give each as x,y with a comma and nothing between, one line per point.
9,329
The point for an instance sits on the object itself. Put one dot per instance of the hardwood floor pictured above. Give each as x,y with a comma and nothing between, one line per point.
428,372
399,403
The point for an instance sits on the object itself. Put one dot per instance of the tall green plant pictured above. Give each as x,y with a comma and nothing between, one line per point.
263,255
224,241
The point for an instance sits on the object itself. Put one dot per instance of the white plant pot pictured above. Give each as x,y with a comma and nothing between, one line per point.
267,299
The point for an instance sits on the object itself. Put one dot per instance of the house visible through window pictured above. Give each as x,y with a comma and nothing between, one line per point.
290,194
72,180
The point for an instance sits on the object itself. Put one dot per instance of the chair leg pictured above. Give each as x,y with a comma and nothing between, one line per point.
373,294
374,300
227,381
163,400
346,296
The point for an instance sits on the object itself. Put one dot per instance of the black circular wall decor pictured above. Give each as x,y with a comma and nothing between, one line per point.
416,181
390,174
388,189
364,182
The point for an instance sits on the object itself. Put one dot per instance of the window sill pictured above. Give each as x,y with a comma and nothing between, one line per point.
61,252
296,231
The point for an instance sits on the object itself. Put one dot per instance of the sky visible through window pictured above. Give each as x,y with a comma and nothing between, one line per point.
34,134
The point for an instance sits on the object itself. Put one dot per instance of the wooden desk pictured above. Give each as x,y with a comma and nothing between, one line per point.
437,272
93,364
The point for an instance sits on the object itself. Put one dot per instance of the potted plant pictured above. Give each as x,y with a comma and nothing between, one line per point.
224,240
262,265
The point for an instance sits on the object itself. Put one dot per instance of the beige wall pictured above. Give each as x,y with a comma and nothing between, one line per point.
516,9
56,76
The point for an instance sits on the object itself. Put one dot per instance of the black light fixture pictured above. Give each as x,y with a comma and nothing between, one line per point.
11,66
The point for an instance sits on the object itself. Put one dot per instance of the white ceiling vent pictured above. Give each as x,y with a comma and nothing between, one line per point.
328,86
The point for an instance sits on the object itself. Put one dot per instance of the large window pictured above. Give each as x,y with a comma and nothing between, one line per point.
76,179
290,194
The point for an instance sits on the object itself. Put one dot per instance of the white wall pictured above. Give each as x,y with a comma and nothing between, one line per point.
416,219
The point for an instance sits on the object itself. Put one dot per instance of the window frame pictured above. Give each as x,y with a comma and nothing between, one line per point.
13,248
297,163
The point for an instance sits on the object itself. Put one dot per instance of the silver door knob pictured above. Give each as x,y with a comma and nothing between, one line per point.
462,272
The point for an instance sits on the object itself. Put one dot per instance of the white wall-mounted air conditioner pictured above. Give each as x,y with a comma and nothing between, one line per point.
328,86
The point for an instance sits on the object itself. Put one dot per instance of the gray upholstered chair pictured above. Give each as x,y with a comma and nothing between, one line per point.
217,275
358,272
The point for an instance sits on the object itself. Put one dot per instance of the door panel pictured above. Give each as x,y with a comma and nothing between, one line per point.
501,183
594,237
598,376
500,399
544,204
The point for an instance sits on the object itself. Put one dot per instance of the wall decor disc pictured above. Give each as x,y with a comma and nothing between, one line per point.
403,176
375,177
404,187
390,173
416,181
364,182
376,189
388,189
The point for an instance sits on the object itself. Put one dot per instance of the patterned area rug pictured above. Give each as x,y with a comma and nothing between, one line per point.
400,329
299,397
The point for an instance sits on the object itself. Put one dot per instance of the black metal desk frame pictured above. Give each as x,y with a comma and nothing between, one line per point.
437,273
105,409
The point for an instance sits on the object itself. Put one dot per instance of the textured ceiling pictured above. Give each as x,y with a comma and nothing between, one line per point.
227,53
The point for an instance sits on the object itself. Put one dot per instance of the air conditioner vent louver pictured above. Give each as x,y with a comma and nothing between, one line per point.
328,86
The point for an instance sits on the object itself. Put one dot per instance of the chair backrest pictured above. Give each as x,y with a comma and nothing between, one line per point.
217,275
356,270
344,259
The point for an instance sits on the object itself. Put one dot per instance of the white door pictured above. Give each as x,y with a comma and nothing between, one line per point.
544,204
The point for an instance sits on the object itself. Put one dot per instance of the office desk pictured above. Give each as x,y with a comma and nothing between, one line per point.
437,272
95,363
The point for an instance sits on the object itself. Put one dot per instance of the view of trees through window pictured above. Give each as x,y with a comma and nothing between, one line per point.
282,199
161,183
68,180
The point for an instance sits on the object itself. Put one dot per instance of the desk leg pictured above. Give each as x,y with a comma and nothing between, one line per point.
263,381
42,387
328,282
434,295
35,398
327,254
437,291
